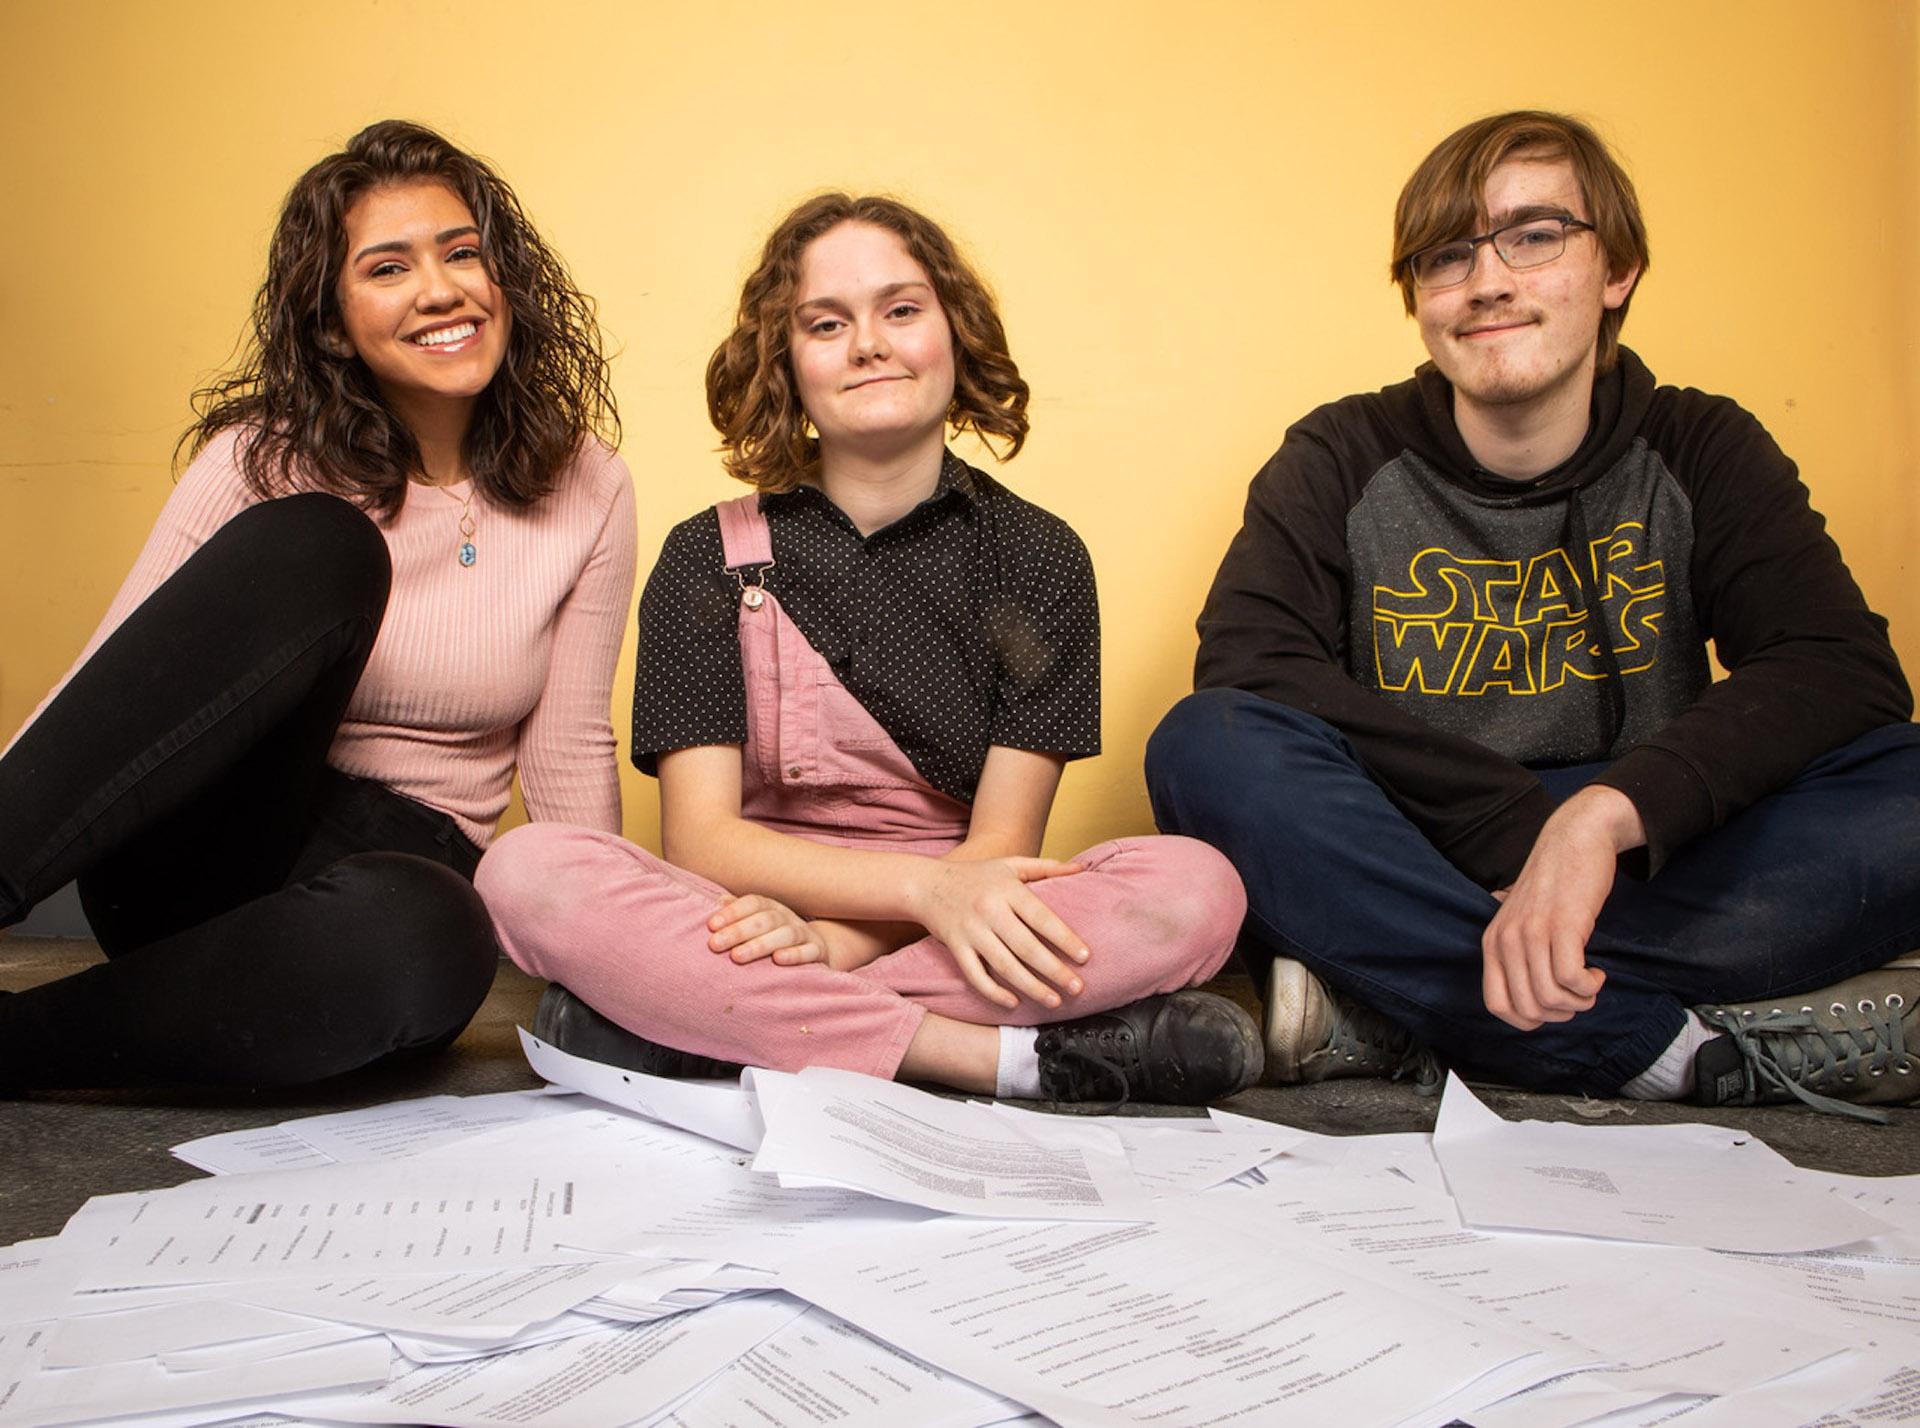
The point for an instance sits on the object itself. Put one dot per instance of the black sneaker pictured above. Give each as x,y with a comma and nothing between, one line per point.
565,1022
1837,1049
1181,1049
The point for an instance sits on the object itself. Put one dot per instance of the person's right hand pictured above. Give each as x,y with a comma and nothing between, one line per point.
1534,967
752,927
1002,937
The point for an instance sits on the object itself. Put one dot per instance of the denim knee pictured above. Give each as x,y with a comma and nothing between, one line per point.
1888,757
1220,745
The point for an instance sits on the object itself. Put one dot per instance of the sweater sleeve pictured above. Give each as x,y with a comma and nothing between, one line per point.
1275,624
568,767
1810,666
210,492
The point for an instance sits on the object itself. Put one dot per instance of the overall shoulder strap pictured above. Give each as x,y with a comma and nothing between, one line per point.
744,537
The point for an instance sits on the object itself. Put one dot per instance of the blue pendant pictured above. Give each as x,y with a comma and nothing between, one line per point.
468,554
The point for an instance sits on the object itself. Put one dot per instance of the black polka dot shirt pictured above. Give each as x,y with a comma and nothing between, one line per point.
970,621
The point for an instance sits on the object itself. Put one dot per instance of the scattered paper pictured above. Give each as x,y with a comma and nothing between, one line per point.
1154,1323
403,1128
629,1257
406,1216
474,1307
1679,1185
719,1110
821,1369
80,1395
586,1381
1168,1157
242,1151
1657,1318
842,1128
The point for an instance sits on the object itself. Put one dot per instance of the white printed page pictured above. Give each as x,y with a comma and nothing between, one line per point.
84,1395
600,1380
243,1152
1893,1198
383,1132
1170,1323
1867,1389
821,1369
1679,1185
1577,1400
36,1277
703,1199
1175,1156
162,1329
422,1349
1655,1318
719,1110
402,1128
474,1307
904,1144
1870,1288
407,1216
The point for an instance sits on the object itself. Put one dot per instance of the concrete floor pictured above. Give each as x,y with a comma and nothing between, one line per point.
62,1147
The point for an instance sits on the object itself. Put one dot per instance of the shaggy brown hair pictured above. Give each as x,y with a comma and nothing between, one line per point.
750,392
315,419
1445,198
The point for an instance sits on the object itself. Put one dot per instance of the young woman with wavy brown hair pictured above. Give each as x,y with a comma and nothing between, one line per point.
858,687
395,571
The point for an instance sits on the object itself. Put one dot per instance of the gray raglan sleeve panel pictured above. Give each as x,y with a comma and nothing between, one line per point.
1276,624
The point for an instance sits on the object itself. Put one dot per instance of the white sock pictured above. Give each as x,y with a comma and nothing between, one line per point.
1670,1078
1019,1073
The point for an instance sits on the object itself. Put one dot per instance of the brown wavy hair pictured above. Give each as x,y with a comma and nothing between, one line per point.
750,392
314,419
1445,198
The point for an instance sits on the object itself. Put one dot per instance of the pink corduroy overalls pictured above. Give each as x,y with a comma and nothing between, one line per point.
627,931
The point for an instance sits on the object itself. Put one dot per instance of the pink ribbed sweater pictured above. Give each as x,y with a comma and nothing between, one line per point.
477,669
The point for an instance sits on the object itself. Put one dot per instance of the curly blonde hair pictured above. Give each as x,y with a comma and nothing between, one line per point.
751,397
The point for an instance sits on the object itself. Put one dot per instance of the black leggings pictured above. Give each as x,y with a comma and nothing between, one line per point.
267,920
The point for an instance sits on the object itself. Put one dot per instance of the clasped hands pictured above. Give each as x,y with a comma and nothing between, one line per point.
1534,953
1005,940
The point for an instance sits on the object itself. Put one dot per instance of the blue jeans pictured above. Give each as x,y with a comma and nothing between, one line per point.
1816,882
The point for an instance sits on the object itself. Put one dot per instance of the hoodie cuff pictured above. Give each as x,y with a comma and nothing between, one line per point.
1492,853
1674,802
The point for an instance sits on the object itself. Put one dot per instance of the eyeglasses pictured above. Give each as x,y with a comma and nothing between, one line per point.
1520,245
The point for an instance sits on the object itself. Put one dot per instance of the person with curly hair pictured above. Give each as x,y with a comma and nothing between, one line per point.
395,571
858,687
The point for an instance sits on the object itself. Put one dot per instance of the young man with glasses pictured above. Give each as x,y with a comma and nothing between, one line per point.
1455,722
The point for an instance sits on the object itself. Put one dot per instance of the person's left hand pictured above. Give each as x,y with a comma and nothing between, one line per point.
752,927
1534,953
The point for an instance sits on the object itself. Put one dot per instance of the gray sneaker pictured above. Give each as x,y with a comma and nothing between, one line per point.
1315,1034
1836,1049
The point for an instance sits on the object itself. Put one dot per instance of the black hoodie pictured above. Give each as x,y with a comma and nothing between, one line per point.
1436,615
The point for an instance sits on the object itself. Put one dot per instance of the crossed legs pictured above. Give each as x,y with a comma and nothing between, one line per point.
626,932
1813,884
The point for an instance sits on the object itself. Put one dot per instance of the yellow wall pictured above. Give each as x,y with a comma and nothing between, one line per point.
1185,210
